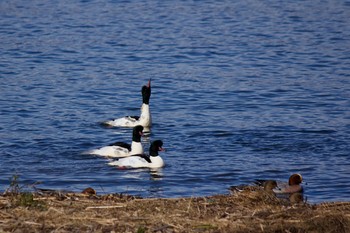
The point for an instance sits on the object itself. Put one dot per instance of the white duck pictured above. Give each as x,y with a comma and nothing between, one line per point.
144,119
122,149
153,160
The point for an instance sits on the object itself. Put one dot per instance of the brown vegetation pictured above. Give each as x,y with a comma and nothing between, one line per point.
247,210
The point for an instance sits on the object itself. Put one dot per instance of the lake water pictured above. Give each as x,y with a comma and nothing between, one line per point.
242,90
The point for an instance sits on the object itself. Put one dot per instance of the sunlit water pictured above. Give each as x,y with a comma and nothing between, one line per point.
241,90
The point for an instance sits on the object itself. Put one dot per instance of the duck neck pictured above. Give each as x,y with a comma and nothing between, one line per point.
136,148
145,110
145,116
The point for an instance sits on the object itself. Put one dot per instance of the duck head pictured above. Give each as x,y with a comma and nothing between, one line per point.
155,147
269,185
137,132
146,92
295,179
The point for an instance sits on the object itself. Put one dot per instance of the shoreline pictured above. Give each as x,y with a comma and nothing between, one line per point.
248,210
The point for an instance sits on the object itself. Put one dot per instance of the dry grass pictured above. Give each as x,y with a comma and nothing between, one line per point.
250,210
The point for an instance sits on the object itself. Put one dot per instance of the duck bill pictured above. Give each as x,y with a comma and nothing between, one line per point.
149,83
161,149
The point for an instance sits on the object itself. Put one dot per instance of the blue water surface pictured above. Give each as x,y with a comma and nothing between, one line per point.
241,90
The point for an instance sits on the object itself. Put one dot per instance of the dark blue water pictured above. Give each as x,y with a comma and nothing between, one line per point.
241,90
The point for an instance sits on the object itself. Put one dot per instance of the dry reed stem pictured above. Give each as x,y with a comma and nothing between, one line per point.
105,207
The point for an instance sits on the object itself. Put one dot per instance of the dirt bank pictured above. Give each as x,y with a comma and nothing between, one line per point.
244,211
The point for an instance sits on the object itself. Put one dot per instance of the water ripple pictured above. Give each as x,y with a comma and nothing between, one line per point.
241,90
